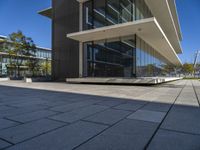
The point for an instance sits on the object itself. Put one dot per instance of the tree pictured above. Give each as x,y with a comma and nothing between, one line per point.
21,46
150,68
7,48
167,69
188,68
46,67
33,65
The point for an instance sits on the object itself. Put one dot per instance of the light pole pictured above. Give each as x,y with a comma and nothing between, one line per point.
195,60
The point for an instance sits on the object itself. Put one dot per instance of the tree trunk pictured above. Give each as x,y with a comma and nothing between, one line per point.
18,71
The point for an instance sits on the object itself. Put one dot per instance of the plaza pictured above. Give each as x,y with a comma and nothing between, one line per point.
60,116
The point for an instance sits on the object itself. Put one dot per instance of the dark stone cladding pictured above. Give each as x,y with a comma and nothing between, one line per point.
65,53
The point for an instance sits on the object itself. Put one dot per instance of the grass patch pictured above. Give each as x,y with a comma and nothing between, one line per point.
191,78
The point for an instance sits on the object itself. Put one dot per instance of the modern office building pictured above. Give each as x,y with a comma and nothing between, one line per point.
42,54
113,38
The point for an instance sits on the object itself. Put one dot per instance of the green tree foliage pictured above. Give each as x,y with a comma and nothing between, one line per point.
46,67
150,68
19,47
33,65
188,68
168,68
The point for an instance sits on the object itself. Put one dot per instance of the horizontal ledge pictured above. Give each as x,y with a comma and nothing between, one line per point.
147,29
166,14
46,12
163,11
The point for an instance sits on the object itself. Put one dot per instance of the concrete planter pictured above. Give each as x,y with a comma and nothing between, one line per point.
4,79
28,80
37,79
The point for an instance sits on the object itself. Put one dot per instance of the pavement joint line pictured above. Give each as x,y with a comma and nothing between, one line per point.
11,106
179,131
58,121
147,145
78,119
13,120
49,109
95,113
30,120
9,127
151,91
113,107
196,94
13,144
83,119
99,123
98,133
24,112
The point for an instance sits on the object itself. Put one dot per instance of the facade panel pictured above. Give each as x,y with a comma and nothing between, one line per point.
111,58
65,51
102,13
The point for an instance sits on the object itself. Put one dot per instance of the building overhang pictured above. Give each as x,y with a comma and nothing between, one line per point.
147,29
165,13
82,1
172,5
46,12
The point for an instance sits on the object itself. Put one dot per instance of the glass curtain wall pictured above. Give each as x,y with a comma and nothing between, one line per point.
111,58
100,13
115,57
148,61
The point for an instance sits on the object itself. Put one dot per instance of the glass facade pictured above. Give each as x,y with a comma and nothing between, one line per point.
120,57
111,58
43,53
100,13
148,60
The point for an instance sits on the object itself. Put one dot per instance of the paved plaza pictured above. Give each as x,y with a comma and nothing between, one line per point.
60,116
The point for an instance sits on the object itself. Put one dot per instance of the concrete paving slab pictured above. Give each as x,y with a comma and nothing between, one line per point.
34,101
147,115
131,106
126,135
73,106
169,140
157,106
23,118
26,131
14,112
65,138
56,103
184,119
5,108
4,144
7,123
81,113
111,103
109,116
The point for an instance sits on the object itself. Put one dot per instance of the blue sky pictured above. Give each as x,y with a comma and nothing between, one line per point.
189,16
22,15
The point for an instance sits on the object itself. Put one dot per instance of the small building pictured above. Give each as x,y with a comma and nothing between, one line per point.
43,55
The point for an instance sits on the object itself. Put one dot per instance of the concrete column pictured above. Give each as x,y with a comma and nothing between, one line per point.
80,43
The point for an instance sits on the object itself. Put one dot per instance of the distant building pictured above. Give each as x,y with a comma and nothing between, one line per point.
42,55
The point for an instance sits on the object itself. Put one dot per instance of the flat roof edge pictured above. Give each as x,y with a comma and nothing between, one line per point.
46,12
177,21
168,41
112,26
114,31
